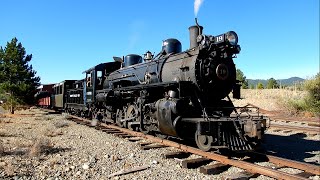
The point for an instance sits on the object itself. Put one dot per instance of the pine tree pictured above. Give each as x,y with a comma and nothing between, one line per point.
260,85
17,77
242,79
272,84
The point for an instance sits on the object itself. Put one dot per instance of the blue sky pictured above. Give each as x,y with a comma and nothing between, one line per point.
279,38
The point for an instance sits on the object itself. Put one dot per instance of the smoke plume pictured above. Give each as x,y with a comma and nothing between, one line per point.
197,4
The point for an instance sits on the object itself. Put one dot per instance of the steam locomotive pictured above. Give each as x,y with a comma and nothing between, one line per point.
175,93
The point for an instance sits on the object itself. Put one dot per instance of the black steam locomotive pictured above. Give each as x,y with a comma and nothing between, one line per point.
177,94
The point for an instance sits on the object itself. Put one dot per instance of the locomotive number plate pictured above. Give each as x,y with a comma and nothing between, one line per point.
219,38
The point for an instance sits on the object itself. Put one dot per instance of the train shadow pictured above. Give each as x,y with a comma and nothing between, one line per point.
293,147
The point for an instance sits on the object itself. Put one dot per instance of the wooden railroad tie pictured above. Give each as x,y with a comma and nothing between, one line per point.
110,131
287,131
214,168
178,154
152,146
105,129
314,124
124,135
279,167
70,118
276,130
194,163
92,126
83,123
144,143
120,134
99,127
312,134
305,174
241,175
134,139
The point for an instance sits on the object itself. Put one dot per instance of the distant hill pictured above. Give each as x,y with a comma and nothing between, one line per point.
283,82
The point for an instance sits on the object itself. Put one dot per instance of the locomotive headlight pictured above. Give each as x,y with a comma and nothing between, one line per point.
232,37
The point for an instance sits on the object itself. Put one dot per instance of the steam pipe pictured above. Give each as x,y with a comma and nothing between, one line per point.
196,19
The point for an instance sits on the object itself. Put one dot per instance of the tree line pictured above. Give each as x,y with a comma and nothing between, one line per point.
310,103
18,80
271,84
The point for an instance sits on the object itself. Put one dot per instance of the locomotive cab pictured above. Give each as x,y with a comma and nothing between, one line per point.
96,77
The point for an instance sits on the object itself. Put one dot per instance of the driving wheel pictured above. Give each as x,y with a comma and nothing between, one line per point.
120,116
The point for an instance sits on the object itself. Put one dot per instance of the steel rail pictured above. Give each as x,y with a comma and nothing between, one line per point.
314,169
250,167
295,128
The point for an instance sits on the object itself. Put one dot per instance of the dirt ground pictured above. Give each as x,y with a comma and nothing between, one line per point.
38,145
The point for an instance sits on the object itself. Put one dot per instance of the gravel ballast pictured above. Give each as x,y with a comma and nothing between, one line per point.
44,146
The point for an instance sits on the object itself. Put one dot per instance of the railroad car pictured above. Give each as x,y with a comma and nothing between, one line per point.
75,99
59,98
43,95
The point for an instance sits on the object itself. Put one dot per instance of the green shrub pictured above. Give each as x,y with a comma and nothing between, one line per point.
310,103
295,106
260,86
313,98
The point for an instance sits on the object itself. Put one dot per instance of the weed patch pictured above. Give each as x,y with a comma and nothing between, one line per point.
61,124
41,145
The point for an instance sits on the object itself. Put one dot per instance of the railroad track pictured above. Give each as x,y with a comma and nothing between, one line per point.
224,162
295,128
313,126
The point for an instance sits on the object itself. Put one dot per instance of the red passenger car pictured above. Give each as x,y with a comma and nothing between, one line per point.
43,95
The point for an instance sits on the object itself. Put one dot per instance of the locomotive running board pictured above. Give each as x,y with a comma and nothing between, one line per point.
221,119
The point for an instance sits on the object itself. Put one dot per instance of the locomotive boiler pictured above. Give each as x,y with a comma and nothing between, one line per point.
177,93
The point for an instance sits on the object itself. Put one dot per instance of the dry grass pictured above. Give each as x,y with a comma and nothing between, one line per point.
9,169
21,143
53,132
41,145
2,150
61,124
53,161
3,133
38,118
6,120
268,99
272,94
289,102
49,118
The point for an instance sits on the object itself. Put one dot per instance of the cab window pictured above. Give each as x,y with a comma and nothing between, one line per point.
89,79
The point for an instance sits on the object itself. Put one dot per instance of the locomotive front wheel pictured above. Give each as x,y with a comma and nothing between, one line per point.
203,141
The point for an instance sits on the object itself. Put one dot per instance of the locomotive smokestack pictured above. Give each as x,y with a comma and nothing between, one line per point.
194,32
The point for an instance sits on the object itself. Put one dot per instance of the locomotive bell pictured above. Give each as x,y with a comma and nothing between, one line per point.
148,56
